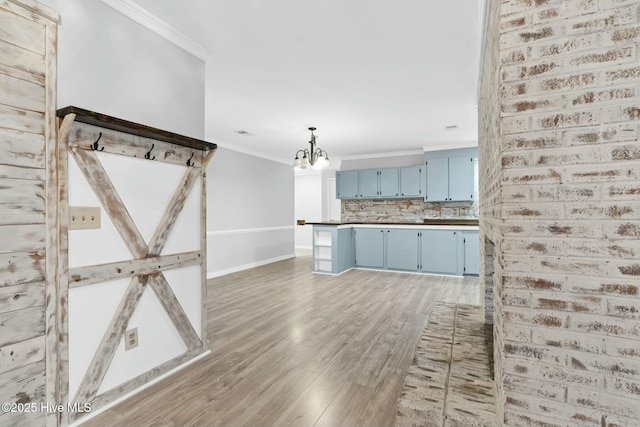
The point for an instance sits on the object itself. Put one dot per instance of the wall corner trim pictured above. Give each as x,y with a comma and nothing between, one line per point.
158,26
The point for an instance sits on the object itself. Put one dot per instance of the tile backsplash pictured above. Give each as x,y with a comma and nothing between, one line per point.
404,210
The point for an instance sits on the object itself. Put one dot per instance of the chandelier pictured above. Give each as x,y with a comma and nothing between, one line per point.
311,158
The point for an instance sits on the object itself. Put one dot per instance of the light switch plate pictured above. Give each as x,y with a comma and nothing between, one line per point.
84,217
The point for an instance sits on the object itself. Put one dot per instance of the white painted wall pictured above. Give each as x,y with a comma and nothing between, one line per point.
308,205
250,212
390,161
110,64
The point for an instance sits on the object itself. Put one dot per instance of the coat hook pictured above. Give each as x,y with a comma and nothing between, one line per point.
94,146
148,155
189,162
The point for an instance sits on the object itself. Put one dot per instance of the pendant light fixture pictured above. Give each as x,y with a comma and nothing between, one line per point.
315,158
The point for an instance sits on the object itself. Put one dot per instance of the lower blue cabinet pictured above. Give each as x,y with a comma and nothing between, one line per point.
471,253
439,251
369,247
402,249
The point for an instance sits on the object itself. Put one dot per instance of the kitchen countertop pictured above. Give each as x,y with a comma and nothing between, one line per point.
430,221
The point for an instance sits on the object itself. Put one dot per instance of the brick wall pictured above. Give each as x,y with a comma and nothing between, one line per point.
560,190
404,210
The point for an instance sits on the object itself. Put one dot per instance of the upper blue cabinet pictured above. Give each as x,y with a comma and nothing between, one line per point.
347,184
380,183
411,181
450,175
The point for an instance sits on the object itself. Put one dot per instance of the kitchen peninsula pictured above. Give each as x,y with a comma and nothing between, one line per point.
442,246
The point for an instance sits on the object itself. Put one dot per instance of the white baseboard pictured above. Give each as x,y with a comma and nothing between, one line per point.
212,274
304,250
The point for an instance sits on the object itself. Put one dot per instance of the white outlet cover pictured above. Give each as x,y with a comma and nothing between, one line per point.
130,339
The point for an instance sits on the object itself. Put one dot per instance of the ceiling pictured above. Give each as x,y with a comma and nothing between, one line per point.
374,77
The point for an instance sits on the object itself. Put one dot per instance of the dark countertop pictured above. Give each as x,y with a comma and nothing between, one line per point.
430,221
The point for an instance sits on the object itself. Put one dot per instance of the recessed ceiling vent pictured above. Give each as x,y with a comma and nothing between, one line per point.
450,128
243,132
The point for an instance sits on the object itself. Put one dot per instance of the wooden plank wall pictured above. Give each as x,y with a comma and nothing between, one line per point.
28,35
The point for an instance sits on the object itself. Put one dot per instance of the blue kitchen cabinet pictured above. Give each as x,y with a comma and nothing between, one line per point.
368,183
347,184
402,249
437,180
411,181
375,183
369,244
471,244
450,175
439,252
388,182
461,178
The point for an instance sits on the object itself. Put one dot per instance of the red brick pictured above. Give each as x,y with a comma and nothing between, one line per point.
514,56
562,46
532,211
605,325
599,248
616,55
625,35
620,347
551,355
622,75
613,405
565,120
531,317
623,307
530,70
594,97
567,302
602,21
571,265
532,176
534,387
602,286
516,298
568,339
535,282
530,141
566,229
553,373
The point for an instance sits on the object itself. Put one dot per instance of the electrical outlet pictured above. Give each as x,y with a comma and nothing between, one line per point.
130,339
84,217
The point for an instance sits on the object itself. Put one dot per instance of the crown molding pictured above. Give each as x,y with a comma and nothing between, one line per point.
150,21
378,155
258,154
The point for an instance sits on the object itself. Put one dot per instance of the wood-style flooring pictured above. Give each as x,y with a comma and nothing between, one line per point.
292,348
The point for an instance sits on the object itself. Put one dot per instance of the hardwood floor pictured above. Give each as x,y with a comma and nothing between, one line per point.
292,348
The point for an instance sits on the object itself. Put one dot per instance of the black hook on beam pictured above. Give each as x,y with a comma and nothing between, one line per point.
94,146
189,162
148,155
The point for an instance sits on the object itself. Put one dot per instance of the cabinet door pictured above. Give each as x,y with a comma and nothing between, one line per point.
402,249
411,181
368,182
389,185
369,247
437,180
440,251
346,184
471,252
460,178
